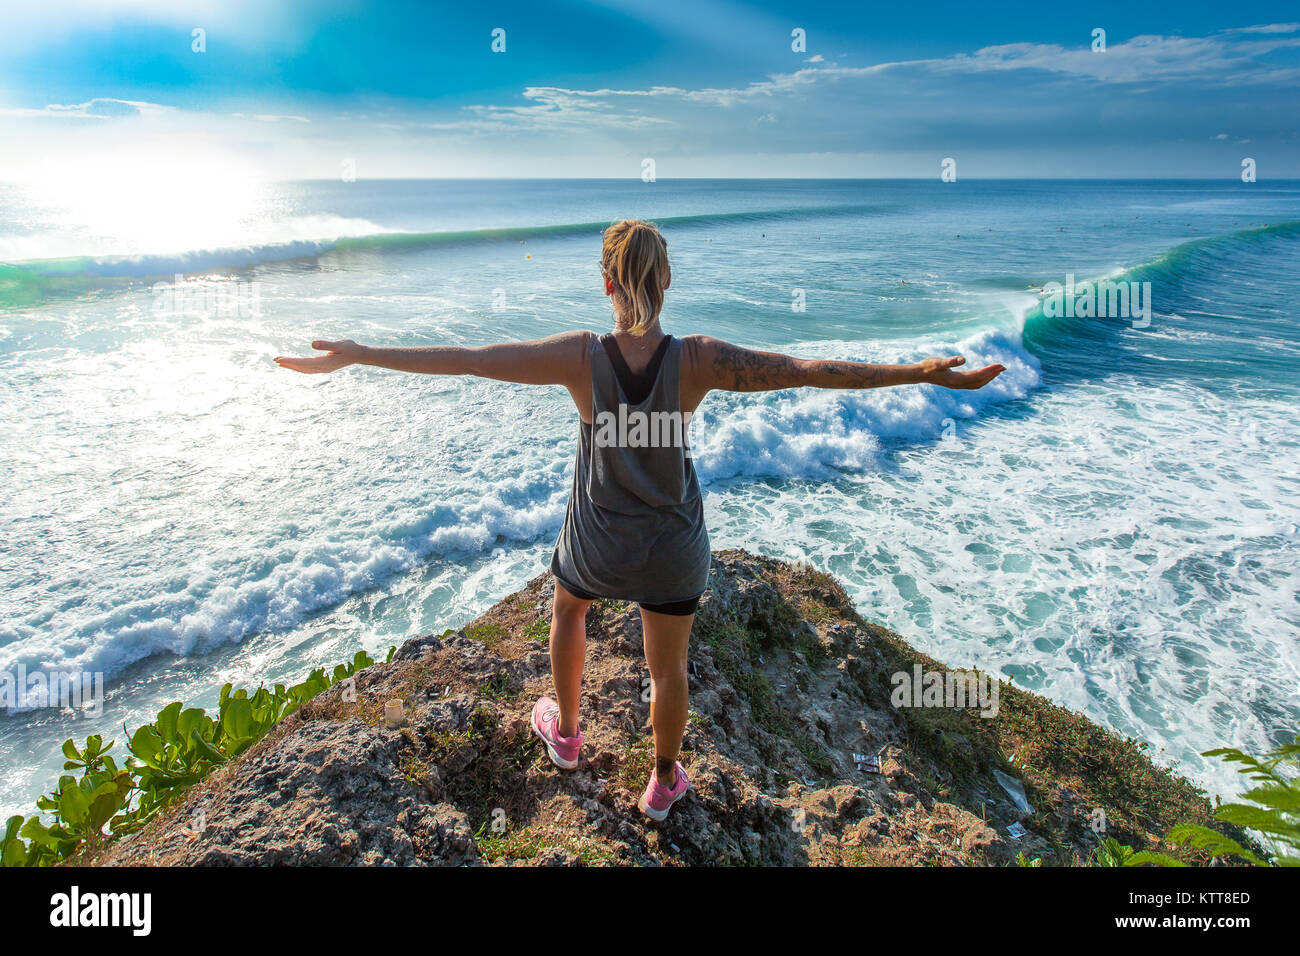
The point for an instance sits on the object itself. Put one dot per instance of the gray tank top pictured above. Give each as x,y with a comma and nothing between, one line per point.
634,529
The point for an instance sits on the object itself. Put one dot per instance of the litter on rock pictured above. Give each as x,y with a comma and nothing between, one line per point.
867,763
1015,790
1015,831
394,715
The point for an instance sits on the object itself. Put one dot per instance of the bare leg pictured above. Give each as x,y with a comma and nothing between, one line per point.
568,653
667,638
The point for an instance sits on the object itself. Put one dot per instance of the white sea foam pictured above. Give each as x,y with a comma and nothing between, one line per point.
64,255
220,607
804,434
808,434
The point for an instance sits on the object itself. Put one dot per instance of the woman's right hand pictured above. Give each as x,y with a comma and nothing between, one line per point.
339,355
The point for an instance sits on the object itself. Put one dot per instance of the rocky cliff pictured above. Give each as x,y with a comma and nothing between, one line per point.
790,689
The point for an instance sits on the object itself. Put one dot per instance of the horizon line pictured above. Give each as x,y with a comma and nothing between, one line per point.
864,179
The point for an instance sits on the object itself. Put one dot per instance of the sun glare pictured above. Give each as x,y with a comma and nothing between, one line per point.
137,203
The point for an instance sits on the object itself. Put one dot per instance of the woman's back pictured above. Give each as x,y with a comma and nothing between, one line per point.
639,452
635,523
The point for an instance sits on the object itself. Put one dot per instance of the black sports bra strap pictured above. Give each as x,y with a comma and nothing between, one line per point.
636,387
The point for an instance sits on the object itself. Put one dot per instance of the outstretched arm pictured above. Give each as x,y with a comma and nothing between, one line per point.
556,360
721,365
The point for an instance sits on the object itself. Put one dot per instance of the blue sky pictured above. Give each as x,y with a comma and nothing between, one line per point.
289,89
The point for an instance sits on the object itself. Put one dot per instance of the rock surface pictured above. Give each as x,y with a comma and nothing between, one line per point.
788,683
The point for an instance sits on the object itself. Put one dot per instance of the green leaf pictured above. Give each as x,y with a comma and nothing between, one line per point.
209,751
146,744
237,718
1203,838
106,800
1275,795
13,851
1111,853
167,719
73,805
37,832
1152,858
192,720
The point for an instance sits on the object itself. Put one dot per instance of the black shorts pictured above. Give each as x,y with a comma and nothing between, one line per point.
676,608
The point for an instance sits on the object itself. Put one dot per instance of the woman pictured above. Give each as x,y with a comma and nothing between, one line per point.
634,529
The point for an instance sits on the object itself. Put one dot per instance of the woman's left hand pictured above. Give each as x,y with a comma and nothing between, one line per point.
340,355
939,371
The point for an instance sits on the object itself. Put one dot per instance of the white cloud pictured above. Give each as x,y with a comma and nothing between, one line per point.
1267,28
1232,57
1219,59
99,108
558,109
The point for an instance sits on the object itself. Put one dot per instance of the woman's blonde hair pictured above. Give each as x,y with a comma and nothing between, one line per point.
634,257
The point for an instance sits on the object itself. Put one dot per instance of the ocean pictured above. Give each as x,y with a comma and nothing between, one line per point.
1114,522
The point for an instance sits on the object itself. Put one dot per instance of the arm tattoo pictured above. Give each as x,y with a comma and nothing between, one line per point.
744,370
849,375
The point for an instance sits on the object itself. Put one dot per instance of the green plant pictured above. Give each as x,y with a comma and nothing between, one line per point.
497,687
1022,860
1271,807
1110,852
488,633
181,747
81,807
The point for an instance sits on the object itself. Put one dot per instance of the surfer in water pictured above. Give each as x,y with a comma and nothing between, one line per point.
634,529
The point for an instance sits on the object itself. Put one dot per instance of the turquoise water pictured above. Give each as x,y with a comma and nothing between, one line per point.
1114,523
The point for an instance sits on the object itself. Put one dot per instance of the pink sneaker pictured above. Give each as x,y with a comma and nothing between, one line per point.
564,751
658,799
